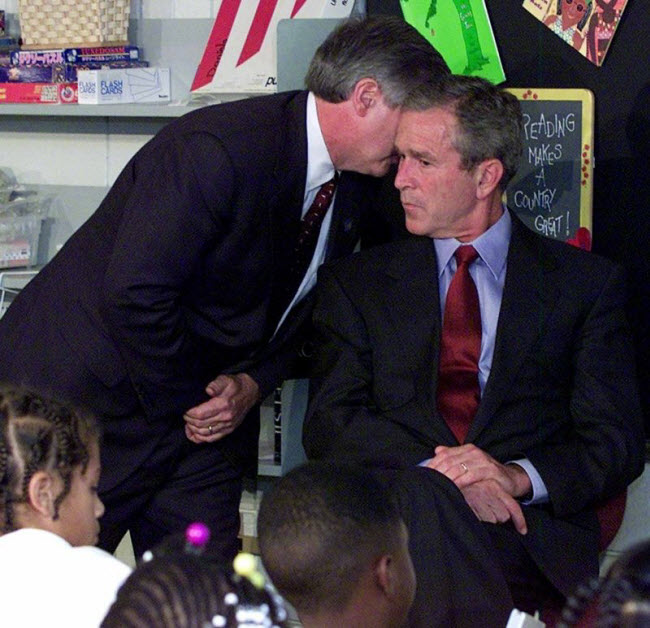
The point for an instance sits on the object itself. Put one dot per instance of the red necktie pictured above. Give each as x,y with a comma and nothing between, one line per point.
460,347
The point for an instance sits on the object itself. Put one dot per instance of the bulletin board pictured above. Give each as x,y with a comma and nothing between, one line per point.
553,189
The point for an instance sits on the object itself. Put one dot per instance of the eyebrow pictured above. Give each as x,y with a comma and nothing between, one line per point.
419,154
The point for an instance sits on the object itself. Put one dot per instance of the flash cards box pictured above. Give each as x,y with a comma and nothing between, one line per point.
124,85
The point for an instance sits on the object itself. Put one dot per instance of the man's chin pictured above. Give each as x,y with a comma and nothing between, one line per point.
415,227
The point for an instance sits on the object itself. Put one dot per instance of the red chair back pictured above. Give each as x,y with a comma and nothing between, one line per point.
610,516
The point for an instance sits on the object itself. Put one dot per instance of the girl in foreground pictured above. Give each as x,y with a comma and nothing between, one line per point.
49,511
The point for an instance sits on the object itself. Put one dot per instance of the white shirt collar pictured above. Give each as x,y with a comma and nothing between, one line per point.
320,168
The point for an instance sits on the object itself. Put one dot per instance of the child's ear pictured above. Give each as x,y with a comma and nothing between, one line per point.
385,575
41,493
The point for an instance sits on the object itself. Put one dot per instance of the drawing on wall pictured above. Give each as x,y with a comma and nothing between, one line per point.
586,25
461,31
240,55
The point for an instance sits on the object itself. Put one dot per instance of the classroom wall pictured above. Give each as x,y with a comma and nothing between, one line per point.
533,56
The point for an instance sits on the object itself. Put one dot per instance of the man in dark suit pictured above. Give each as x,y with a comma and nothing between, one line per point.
504,513
167,312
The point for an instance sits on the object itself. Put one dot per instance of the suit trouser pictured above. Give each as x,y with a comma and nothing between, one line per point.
179,483
468,573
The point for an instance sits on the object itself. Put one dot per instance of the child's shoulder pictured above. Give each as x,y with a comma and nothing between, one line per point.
110,566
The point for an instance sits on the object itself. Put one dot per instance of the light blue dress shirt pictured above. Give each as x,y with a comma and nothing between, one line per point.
489,275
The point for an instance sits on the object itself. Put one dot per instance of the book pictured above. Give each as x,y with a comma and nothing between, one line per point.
58,72
124,85
461,31
588,27
75,55
41,93
277,425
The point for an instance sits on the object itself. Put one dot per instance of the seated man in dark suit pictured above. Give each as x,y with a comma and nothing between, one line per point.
334,545
499,399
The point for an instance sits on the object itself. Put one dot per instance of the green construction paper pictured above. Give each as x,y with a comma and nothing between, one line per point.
461,31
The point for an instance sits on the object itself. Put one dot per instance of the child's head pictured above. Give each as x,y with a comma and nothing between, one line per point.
177,588
334,545
621,599
49,467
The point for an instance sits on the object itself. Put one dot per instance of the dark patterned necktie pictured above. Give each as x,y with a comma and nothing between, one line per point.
308,236
303,251
460,347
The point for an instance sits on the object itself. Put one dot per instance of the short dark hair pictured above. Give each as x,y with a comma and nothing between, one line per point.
490,122
385,48
319,527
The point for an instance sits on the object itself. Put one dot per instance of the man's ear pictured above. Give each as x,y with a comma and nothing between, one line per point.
41,493
364,95
489,174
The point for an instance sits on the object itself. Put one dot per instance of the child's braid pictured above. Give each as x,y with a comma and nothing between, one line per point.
38,434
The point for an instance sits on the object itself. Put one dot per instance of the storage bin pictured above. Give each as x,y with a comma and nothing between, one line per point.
55,23
19,237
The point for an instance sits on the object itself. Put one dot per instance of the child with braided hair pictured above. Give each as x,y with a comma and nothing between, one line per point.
50,575
178,585
620,600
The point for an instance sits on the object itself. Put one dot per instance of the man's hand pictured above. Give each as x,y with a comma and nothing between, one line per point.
467,464
489,502
232,396
490,488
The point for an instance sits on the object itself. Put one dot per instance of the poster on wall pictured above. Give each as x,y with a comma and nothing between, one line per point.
586,25
240,55
552,191
461,31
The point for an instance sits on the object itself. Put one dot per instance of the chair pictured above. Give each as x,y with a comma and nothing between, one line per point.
610,516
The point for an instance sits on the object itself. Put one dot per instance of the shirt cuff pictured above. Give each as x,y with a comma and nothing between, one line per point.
540,493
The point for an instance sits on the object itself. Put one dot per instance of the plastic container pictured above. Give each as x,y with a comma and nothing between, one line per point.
20,228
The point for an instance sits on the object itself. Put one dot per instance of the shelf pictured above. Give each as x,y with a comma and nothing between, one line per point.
173,110
112,111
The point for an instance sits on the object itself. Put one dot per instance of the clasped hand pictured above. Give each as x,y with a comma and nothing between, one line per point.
231,398
489,487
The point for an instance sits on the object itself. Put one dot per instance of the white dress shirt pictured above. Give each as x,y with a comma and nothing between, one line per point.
320,170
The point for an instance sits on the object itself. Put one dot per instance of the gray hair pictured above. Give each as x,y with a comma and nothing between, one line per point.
489,120
385,48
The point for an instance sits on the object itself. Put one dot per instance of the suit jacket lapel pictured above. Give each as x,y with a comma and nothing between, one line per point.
528,297
344,229
287,185
412,312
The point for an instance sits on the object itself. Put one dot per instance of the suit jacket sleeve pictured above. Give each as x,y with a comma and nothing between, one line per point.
173,212
603,450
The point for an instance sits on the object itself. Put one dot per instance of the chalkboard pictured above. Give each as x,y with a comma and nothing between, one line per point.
552,191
